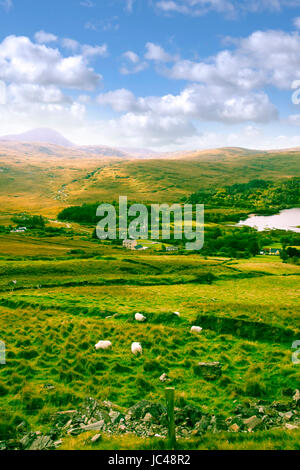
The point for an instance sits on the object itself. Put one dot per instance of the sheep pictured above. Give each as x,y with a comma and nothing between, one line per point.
103,345
136,348
177,314
196,329
139,317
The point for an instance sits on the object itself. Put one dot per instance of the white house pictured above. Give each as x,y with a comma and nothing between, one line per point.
130,244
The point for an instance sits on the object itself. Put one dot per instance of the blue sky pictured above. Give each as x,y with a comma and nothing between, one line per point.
160,74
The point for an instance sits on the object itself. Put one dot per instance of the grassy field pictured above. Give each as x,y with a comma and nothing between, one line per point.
61,294
46,180
57,310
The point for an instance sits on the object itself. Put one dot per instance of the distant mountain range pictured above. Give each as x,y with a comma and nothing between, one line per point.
44,141
51,137
42,135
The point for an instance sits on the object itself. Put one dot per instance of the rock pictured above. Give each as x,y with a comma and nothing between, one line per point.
164,378
217,424
252,423
201,426
287,415
42,443
148,418
58,443
48,387
98,426
27,440
96,438
208,370
291,427
22,427
188,416
140,409
234,427
296,397
115,416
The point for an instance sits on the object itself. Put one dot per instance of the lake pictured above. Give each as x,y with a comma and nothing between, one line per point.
288,219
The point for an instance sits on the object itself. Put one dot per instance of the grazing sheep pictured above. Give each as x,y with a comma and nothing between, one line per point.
103,345
177,314
196,329
139,317
136,348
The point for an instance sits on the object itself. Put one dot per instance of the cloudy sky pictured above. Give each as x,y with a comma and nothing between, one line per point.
160,74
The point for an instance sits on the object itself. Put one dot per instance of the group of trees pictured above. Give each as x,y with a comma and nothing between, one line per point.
29,221
258,195
290,254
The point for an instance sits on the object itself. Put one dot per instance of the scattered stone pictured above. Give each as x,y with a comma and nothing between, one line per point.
296,397
96,438
58,443
148,418
234,427
164,378
252,423
291,427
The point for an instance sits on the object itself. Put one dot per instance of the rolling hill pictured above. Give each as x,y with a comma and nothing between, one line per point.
43,177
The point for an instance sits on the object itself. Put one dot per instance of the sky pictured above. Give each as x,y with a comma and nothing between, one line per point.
167,75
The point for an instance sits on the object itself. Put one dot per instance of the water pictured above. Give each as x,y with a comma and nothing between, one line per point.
288,219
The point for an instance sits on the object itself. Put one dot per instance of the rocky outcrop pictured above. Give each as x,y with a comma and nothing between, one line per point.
149,419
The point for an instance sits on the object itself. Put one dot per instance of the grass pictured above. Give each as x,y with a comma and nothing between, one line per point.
50,335
268,440
67,286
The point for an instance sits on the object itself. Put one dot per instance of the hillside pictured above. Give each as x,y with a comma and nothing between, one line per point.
46,178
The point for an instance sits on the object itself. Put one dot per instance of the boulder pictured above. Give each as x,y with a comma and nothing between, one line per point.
252,423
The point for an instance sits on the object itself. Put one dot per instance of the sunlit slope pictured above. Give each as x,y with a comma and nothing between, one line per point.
45,179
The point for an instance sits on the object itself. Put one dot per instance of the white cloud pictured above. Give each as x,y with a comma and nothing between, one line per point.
297,22
157,53
131,56
85,49
90,51
149,130
22,61
19,117
71,44
200,102
264,58
27,93
135,64
228,7
42,37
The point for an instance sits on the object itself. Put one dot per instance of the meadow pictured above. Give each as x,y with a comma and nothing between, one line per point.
63,291
59,308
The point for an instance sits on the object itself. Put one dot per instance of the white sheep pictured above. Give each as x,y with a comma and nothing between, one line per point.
103,345
136,348
139,317
177,314
196,329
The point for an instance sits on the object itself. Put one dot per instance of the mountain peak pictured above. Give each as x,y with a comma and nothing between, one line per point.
42,135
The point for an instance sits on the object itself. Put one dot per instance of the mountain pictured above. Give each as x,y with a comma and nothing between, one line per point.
42,135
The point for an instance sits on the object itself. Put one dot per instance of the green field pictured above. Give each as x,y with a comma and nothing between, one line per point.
60,293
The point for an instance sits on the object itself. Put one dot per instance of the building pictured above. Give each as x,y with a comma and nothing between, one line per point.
130,244
19,230
171,248
271,251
